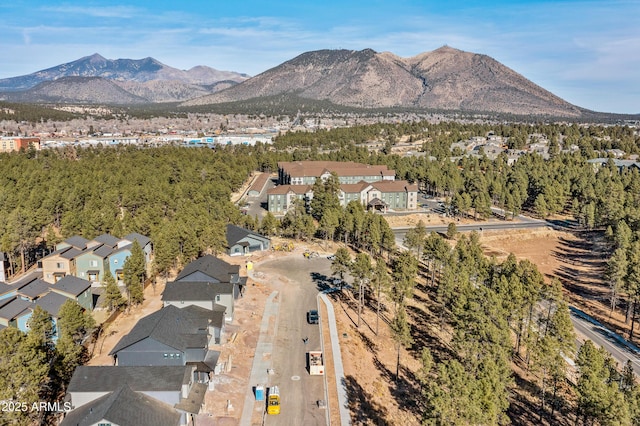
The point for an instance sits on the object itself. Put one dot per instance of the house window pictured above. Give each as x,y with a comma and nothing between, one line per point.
177,355
166,355
59,265
94,263
217,297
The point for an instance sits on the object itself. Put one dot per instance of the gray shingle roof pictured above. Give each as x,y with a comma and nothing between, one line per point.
77,242
194,290
142,240
103,251
107,239
52,302
14,308
71,285
211,266
70,253
141,379
236,233
6,288
170,325
124,407
215,316
35,289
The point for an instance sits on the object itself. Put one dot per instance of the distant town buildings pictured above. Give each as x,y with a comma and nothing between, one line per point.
8,144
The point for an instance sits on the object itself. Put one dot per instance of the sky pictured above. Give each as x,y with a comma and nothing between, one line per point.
586,52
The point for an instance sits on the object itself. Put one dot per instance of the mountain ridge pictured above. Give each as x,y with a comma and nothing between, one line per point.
443,79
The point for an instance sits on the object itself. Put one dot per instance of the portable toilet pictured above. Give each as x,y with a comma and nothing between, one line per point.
259,393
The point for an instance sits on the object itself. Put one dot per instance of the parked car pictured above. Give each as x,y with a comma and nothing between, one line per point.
331,256
312,316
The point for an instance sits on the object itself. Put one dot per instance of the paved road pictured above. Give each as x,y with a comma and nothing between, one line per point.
299,391
615,345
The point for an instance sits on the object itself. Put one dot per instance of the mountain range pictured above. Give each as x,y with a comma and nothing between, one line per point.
94,79
444,79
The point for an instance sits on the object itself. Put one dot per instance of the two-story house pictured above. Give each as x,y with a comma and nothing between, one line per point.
124,406
175,385
224,281
171,337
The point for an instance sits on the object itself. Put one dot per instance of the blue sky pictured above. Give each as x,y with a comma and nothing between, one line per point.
586,52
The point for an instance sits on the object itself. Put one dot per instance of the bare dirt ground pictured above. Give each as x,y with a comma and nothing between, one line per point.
370,359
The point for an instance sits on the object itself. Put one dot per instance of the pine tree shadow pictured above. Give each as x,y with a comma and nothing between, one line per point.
363,408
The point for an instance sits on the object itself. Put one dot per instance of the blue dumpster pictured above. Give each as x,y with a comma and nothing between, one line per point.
259,393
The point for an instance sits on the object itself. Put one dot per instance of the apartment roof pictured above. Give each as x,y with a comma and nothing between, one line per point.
318,168
284,189
394,186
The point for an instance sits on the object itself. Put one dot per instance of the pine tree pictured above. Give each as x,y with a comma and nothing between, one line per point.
134,271
113,298
401,332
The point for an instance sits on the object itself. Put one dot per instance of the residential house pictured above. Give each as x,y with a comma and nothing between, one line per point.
215,297
241,241
618,163
170,337
124,406
60,263
210,269
75,289
115,262
175,385
226,282
15,312
92,263
144,242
